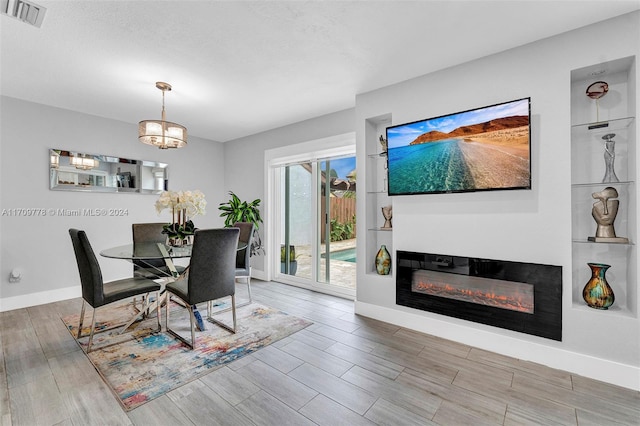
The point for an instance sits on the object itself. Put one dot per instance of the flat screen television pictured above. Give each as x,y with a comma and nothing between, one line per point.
482,149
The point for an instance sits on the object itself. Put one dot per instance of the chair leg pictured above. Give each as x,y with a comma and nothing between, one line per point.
93,329
193,325
220,323
233,308
158,310
248,282
135,302
249,287
192,318
84,304
166,313
145,308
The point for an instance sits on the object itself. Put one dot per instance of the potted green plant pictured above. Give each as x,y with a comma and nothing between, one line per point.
293,263
236,210
179,234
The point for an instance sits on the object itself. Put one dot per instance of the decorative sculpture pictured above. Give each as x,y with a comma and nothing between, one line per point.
387,213
609,158
604,212
383,143
596,91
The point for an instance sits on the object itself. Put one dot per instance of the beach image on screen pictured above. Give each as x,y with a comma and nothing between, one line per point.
482,149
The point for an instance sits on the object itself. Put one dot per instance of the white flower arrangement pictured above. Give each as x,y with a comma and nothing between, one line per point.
183,205
192,202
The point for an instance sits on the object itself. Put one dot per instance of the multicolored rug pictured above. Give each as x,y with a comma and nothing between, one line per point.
140,367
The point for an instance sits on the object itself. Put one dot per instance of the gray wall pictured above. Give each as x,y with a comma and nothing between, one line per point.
245,161
41,246
529,226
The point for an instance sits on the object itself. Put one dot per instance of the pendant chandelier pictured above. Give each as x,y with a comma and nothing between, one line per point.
161,133
54,160
83,162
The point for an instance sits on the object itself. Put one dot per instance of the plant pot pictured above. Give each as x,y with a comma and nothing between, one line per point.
179,242
293,267
293,264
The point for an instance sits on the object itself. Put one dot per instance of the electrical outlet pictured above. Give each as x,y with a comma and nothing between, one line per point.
15,276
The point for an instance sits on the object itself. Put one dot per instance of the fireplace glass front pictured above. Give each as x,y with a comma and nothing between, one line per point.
484,291
524,297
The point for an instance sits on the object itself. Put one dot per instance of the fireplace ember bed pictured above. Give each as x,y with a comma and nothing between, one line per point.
523,297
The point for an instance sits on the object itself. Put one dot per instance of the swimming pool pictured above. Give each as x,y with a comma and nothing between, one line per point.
347,255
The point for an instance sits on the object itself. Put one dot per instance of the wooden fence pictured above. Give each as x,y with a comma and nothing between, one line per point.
341,209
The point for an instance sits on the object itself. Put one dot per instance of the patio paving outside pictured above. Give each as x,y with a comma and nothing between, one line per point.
343,273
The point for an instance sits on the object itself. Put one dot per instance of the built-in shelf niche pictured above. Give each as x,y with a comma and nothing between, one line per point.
377,194
591,120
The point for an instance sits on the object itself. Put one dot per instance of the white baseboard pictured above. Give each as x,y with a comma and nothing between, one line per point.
258,274
34,299
615,373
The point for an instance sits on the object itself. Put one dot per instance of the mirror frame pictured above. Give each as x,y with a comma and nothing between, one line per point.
104,173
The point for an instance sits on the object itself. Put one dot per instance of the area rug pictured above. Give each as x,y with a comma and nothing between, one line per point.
139,367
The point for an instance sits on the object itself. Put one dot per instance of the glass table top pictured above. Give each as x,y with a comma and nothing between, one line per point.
142,251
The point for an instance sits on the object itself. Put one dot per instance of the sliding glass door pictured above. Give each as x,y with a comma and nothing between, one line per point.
315,213
297,220
337,242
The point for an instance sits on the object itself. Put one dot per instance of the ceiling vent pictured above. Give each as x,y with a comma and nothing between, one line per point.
28,12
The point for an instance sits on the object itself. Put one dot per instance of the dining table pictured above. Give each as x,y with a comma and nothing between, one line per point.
143,254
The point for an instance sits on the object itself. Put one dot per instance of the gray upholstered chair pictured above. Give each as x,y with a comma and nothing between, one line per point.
96,292
211,276
151,268
243,257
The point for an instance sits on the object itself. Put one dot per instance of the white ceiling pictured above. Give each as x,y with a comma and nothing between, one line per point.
242,67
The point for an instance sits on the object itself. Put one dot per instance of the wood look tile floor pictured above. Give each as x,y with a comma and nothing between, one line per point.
342,370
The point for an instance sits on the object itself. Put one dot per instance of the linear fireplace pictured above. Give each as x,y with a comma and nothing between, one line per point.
524,297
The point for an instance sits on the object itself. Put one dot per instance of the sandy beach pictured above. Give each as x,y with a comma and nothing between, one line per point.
513,141
498,159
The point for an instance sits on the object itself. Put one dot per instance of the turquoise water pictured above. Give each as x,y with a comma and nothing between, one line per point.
348,255
427,167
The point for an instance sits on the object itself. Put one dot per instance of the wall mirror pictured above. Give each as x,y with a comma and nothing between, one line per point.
75,171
